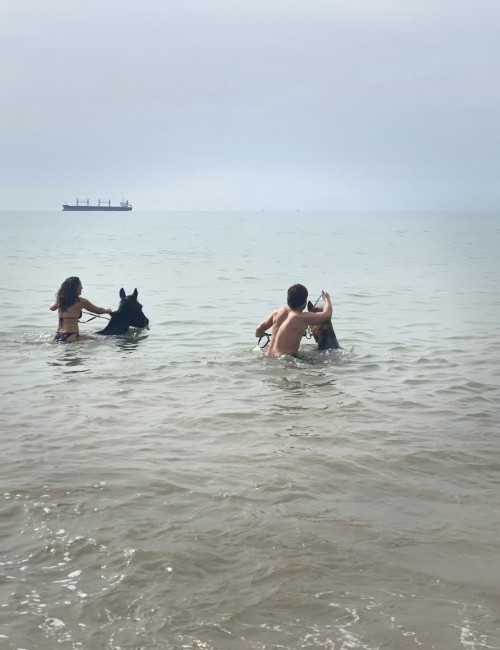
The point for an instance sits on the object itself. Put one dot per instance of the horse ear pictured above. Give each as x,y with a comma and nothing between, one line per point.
122,293
310,306
135,294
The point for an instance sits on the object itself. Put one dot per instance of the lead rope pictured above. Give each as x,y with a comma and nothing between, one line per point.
267,337
92,318
308,332
317,300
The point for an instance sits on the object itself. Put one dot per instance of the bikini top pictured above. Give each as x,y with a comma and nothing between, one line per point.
61,318
71,317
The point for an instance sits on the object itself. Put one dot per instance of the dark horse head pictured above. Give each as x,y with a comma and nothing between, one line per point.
324,334
128,314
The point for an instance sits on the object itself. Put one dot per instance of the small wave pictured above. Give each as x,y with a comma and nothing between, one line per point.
306,358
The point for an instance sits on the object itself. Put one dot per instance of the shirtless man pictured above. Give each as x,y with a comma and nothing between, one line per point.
290,322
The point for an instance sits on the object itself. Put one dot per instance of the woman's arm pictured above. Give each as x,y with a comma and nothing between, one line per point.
92,308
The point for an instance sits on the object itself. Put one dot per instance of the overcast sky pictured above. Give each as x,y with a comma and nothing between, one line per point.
251,104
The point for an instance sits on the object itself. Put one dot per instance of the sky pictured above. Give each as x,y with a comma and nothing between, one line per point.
187,105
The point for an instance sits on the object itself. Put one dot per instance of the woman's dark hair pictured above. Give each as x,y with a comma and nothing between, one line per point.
297,296
68,293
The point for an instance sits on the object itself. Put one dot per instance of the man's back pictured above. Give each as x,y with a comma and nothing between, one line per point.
288,329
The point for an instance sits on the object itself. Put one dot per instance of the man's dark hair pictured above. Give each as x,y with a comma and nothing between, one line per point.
297,296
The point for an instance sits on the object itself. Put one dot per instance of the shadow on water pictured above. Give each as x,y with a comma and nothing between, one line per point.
69,358
130,341
316,357
301,384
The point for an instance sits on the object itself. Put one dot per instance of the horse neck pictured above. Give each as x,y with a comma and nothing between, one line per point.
328,340
116,324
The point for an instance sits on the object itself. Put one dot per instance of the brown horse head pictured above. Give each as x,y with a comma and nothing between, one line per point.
323,334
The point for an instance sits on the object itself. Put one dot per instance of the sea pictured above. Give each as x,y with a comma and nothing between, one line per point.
174,488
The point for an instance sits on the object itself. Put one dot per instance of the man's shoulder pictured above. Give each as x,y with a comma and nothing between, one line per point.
280,315
297,315
292,318
279,311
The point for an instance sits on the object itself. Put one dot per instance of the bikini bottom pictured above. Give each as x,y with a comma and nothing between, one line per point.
62,337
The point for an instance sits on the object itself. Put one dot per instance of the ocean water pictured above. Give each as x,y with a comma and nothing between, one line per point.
176,489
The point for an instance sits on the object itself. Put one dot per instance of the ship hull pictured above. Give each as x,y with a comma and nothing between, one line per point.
97,208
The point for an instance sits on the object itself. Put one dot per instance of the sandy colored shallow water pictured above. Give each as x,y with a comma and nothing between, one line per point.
176,489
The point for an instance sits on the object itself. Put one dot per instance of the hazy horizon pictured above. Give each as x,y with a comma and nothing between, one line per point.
278,106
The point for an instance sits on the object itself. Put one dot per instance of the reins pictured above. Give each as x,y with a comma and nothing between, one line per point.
92,317
268,338
317,300
308,333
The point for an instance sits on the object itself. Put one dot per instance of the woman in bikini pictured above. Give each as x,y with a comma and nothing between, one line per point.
69,305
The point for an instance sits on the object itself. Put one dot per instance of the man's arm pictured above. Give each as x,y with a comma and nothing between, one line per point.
266,324
318,317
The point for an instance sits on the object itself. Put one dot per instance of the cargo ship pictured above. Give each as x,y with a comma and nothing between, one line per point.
105,206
